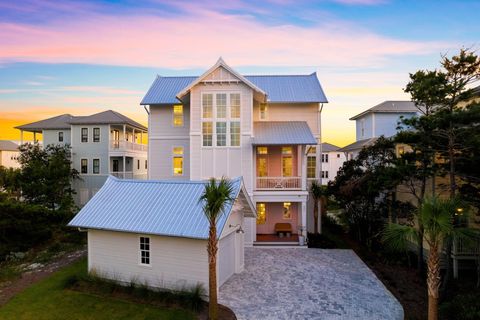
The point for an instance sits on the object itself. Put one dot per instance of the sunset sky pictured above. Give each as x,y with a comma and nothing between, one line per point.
87,56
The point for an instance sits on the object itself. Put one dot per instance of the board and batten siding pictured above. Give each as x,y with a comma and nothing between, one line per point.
228,161
175,262
162,138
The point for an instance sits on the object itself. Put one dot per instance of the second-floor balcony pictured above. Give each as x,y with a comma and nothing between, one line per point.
121,145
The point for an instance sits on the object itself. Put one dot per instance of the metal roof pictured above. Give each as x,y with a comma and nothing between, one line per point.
328,147
279,89
282,133
169,208
390,107
7,145
107,117
358,145
58,122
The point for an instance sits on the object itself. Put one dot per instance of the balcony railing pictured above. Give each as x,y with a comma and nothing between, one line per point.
279,183
122,145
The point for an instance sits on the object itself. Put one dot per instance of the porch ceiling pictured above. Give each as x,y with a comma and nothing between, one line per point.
283,133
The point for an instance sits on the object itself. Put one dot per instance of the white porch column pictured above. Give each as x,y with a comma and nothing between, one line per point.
34,137
124,133
124,165
254,167
134,140
141,137
304,168
304,218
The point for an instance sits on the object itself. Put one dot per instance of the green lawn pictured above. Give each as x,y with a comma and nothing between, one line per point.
48,300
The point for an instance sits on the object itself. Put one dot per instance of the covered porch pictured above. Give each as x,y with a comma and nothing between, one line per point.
127,138
121,167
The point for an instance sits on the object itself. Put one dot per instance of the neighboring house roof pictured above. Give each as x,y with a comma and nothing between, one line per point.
282,133
390,107
328,147
220,63
58,122
358,145
7,145
168,208
279,89
107,117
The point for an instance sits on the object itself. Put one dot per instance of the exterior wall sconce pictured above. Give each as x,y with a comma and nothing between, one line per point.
239,230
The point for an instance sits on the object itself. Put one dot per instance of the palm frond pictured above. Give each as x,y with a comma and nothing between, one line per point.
397,237
218,194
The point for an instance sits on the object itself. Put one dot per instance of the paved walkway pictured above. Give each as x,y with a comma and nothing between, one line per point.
298,283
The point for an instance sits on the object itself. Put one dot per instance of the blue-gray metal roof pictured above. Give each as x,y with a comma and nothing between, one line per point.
169,208
282,133
279,89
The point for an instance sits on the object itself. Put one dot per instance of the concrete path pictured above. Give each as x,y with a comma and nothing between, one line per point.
299,283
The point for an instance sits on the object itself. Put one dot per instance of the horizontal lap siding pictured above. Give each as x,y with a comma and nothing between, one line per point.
175,262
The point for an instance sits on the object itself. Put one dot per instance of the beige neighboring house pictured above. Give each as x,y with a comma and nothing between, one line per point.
9,154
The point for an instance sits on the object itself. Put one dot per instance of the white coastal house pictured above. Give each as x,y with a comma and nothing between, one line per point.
265,128
102,144
9,154
332,161
380,120
155,232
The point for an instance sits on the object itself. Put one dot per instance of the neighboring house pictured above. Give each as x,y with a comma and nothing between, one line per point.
9,154
105,143
225,124
380,120
155,233
332,161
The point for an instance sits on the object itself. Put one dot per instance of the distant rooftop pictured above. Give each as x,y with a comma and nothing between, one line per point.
328,147
7,145
358,145
390,107
63,122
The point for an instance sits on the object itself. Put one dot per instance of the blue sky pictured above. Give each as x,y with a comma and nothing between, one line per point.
84,57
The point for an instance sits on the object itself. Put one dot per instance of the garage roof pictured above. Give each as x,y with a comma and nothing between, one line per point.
168,208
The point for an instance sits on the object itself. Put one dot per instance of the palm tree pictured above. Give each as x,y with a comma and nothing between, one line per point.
317,193
216,196
436,216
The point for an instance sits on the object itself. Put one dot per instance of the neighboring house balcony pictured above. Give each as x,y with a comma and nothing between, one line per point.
118,145
127,139
123,167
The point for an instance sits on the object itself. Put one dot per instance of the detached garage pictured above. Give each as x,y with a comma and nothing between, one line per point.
155,232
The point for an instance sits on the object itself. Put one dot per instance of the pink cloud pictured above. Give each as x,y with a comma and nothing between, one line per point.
198,39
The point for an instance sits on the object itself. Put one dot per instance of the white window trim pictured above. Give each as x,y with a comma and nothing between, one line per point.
173,155
99,135
88,136
140,251
63,136
80,171
99,170
173,116
228,119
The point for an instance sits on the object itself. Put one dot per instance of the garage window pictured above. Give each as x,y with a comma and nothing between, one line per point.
145,251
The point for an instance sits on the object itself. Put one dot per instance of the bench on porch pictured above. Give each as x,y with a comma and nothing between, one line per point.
283,227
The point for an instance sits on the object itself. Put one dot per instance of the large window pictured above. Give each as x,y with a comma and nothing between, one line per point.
221,134
262,162
287,162
84,166
220,119
261,213
60,136
96,134
84,134
178,115
311,166
207,134
96,166
145,250
177,161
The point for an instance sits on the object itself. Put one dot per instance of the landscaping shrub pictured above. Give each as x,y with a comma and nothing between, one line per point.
465,306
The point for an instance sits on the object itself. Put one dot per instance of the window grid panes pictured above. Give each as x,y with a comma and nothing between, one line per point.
235,105
84,166
178,116
84,134
96,166
263,111
177,161
207,105
324,157
221,105
311,166
261,213
235,134
262,150
145,250
221,134
60,136
207,134
96,134
287,166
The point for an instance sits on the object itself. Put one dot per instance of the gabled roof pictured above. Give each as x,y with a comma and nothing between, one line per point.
358,145
278,88
58,122
282,133
222,64
328,147
7,145
107,117
168,208
390,107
